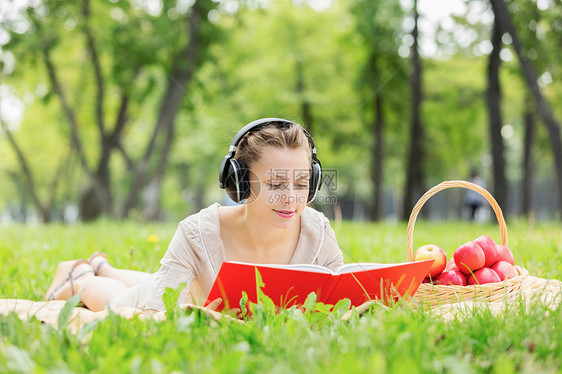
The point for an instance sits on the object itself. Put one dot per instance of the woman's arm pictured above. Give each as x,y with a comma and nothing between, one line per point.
178,266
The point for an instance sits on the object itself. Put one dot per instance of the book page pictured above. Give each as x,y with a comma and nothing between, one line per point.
362,266
303,267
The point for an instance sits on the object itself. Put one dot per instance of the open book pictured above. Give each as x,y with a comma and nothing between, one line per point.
288,285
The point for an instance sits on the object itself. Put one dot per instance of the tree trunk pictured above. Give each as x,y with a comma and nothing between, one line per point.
94,58
68,110
494,109
503,18
98,197
32,190
377,159
414,174
182,72
528,164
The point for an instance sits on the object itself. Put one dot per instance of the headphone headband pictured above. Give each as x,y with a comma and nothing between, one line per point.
262,122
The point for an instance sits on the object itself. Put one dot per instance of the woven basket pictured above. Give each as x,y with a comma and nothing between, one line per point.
435,295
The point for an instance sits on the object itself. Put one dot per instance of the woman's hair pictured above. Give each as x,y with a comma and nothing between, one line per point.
285,135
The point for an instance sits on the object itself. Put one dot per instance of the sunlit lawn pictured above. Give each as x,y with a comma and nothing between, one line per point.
394,341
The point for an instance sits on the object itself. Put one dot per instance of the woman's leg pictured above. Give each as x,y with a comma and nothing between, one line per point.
73,277
60,287
97,291
126,277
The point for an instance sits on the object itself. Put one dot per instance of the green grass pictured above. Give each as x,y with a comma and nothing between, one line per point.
399,340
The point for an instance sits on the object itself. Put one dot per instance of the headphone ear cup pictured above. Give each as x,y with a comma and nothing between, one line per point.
237,183
315,181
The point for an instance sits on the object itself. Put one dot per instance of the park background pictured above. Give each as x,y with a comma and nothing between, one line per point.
118,113
125,109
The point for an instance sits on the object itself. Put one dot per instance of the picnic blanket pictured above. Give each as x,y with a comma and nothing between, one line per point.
547,292
48,312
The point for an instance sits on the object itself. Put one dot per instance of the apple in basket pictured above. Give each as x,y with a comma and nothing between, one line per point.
483,276
451,277
469,257
504,270
432,252
451,266
504,254
490,249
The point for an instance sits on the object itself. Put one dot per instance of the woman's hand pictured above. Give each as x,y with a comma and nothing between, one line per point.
213,305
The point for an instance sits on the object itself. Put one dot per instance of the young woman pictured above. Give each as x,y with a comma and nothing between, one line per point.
271,167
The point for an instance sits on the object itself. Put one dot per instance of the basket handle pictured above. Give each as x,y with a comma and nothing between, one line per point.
443,186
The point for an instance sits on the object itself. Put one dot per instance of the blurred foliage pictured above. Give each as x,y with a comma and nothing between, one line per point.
257,53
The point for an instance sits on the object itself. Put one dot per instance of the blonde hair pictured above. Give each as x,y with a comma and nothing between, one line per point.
272,134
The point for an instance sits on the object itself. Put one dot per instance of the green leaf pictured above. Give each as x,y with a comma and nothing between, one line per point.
323,308
341,307
244,303
259,281
88,328
310,302
315,318
66,312
268,304
170,299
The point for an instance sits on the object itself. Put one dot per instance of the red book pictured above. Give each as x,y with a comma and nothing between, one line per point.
288,285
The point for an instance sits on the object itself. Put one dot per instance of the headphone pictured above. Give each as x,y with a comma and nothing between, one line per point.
233,174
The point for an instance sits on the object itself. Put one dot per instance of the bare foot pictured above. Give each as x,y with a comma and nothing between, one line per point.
61,287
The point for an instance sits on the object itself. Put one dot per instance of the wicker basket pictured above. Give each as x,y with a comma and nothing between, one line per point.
435,295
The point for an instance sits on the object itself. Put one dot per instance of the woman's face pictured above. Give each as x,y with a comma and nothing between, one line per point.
279,184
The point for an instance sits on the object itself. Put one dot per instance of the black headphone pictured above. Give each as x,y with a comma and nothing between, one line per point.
233,174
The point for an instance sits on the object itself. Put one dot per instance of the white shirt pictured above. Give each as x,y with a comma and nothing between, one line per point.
196,253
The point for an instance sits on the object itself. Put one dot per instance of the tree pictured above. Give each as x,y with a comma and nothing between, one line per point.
493,95
415,164
44,209
528,160
539,36
380,25
125,60
183,69
504,20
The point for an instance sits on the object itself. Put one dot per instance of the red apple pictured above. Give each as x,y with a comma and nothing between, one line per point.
505,270
432,252
454,277
504,254
484,275
469,257
451,265
490,249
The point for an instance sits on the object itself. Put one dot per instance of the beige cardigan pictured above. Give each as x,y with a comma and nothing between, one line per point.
196,253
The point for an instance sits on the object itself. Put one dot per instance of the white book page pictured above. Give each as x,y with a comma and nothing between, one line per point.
346,268
362,266
304,267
